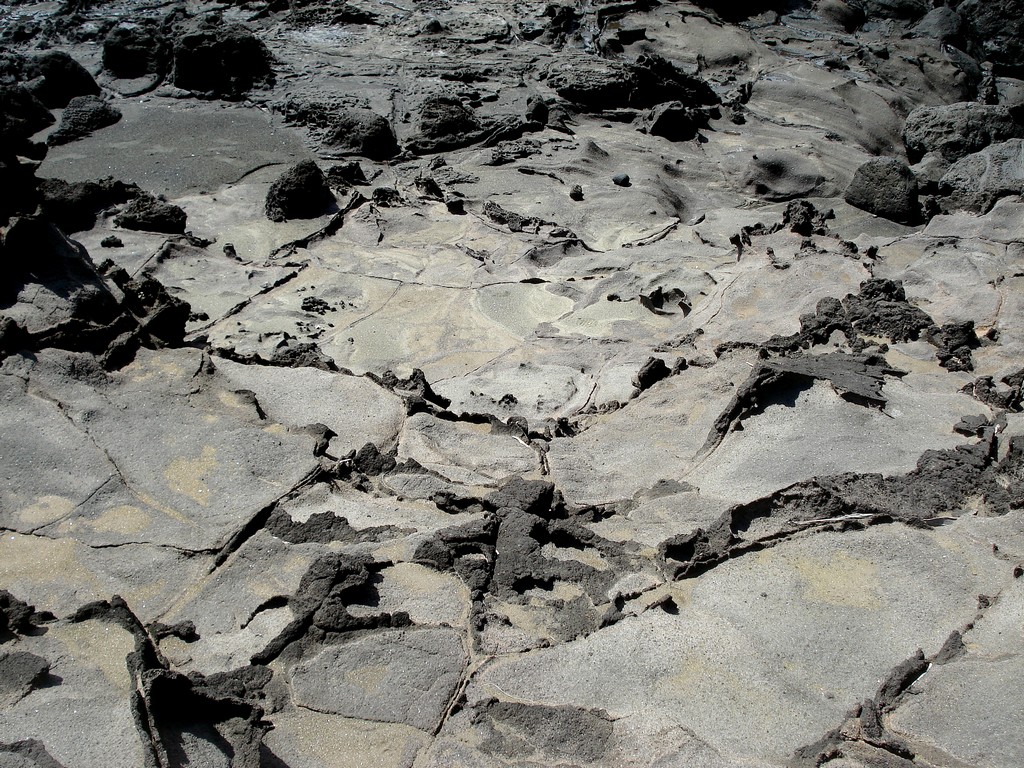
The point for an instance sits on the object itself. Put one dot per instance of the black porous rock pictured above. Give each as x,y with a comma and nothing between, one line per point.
82,116
301,192
361,132
348,174
56,78
220,60
133,50
674,121
147,213
886,187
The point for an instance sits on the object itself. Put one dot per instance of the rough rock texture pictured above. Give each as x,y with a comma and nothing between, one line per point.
954,131
885,187
977,181
492,384
301,192
82,116
151,214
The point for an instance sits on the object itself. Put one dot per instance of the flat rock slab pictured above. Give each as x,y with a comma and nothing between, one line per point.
165,458
81,712
770,650
401,676
307,739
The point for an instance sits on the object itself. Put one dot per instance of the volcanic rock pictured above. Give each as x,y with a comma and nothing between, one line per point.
361,132
977,181
133,50
954,131
55,78
220,60
885,187
149,214
301,192
82,116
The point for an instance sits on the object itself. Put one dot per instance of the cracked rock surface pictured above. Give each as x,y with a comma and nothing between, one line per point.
433,384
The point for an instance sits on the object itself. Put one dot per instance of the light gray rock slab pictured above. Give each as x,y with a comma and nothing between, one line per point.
393,676
82,715
356,409
307,739
770,650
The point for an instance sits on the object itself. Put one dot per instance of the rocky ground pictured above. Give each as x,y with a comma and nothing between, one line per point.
426,383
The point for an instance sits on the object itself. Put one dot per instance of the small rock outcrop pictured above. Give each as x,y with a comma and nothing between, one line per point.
885,187
301,192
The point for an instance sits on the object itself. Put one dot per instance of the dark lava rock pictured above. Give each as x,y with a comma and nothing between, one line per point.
445,122
782,175
301,192
111,241
576,193
223,60
73,206
906,10
943,24
650,373
21,115
803,218
674,121
598,84
977,181
82,116
56,78
361,132
957,130
886,187
881,309
148,214
133,50
998,28
348,174
621,180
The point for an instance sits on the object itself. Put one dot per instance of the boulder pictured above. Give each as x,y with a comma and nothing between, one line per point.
977,181
21,115
82,116
674,121
956,130
361,132
73,206
55,78
221,60
446,122
301,192
599,84
134,50
886,187
150,214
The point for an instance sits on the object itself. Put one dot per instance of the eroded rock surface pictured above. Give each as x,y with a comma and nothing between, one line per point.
487,384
